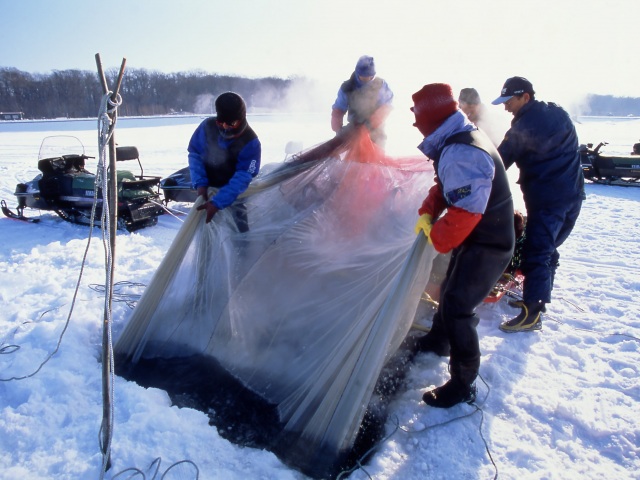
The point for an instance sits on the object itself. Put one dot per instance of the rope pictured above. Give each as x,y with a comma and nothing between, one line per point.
477,407
518,296
105,132
13,348
396,423
131,299
6,349
154,468
106,125
107,119
169,210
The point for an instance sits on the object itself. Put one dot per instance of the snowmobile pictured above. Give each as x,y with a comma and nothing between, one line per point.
65,187
177,187
610,169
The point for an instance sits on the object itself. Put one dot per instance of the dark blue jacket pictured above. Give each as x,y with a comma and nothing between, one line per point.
543,143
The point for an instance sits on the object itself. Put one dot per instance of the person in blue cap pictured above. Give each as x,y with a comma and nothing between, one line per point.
366,100
225,153
543,143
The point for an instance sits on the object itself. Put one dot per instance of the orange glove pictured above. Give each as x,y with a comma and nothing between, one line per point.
453,228
434,204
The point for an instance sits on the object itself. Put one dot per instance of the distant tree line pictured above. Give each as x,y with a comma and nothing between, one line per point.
610,105
77,93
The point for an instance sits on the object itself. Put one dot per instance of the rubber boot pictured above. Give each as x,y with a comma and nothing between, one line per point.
528,320
461,387
520,304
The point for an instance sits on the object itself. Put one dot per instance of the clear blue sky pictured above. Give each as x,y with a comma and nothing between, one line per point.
565,47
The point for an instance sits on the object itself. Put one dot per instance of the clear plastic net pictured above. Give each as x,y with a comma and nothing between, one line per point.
306,306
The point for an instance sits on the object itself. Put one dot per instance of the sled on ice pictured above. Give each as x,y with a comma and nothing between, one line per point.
65,187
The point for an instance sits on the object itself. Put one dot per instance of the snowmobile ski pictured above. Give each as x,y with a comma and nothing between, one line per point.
16,216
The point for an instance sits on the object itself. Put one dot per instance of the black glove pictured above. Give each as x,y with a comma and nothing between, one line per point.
211,210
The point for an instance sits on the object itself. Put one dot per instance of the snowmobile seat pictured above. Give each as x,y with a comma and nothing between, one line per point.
144,184
131,153
127,153
50,166
63,164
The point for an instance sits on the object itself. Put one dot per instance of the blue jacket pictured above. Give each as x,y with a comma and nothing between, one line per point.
227,164
361,100
471,178
543,143
460,167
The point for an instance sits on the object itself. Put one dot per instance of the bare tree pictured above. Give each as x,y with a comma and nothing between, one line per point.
76,93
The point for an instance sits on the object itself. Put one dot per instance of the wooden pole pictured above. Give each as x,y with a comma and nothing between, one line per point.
112,195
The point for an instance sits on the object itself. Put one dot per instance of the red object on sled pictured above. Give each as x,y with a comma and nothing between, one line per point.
507,282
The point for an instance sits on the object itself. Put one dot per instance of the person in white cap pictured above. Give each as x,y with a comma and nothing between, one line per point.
490,123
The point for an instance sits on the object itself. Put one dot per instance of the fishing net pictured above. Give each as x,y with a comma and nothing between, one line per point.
306,306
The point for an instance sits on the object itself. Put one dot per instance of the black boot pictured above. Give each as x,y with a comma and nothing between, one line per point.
461,387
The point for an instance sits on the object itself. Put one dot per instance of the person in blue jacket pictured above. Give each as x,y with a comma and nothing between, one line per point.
543,143
468,212
366,99
225,153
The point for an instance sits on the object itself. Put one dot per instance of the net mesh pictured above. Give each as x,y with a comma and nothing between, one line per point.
306,306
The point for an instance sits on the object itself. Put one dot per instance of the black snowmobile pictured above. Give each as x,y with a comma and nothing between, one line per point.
610,169
177,187
65,187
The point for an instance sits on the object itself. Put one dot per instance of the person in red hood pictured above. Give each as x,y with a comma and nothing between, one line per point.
468,212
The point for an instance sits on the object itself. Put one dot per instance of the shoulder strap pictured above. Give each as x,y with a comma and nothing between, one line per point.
477,139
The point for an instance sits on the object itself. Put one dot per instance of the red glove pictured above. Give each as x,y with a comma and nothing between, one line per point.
453,228
434,204
337,117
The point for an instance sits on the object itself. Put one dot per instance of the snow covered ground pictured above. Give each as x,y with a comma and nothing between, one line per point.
562,403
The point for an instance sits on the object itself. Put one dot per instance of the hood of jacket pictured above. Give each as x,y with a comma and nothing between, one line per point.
433,144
